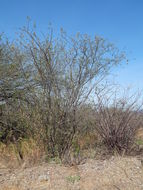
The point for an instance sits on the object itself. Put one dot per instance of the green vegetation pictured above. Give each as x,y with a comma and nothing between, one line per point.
139,142
73,179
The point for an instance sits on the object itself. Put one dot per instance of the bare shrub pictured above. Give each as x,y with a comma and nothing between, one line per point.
48,79
117,120
65,72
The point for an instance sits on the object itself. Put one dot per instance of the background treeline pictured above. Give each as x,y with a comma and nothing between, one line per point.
50,91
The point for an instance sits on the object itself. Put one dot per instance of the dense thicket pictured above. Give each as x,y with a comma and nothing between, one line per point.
46,84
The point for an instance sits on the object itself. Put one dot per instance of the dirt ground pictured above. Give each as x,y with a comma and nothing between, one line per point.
117,173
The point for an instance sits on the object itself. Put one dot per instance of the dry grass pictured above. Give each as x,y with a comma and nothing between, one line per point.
28,149
139,134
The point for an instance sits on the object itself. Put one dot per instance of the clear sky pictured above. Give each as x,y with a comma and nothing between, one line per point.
119,21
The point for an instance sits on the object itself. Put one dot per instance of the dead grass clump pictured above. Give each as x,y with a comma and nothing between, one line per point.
25,151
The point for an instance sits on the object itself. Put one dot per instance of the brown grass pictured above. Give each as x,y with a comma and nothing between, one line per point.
29,150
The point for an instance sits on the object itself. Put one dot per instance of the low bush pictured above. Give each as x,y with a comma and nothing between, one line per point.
117,122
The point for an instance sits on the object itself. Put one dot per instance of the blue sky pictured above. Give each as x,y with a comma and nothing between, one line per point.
119,21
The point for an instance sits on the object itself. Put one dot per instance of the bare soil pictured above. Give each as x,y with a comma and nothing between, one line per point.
116,173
